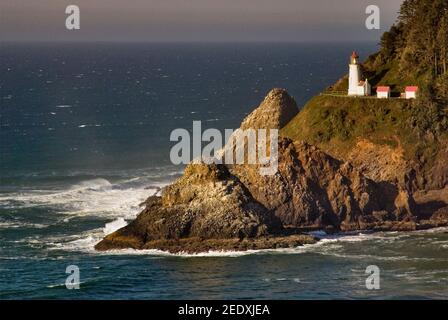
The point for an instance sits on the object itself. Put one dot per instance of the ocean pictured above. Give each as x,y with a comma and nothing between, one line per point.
84,139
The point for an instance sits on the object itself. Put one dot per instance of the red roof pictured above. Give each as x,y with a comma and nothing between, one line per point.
355,54
383,89
411,89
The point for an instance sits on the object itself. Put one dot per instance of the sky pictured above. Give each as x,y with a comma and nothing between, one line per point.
194,20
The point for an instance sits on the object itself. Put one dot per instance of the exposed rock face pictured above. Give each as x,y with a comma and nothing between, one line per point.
379,162
439,172
224,207
212,203
312,189
208,202
276,110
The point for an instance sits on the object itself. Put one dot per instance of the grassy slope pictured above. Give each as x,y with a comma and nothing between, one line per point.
335,124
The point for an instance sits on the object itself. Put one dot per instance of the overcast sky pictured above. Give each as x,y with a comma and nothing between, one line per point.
194,20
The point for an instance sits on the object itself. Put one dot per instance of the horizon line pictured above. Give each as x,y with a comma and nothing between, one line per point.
185,41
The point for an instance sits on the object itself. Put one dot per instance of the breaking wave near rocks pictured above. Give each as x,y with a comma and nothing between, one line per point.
74,215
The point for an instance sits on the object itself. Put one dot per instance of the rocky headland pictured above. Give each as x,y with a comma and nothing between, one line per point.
234,207
344,163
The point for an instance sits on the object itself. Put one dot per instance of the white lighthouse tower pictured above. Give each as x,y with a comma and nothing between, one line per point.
354,75
357,87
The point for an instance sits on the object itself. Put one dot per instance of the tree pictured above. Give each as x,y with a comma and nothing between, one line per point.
442,41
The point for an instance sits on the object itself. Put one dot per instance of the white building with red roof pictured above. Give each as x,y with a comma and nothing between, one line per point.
411,92
383,92
356,86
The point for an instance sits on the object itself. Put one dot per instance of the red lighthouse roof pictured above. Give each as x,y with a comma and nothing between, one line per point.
355,55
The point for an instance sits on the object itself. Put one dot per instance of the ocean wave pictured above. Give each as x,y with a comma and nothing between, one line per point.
21,225
94,184
433,230
83,242
383,236
96,197
89,125
216,253
156,252
114,226
296,280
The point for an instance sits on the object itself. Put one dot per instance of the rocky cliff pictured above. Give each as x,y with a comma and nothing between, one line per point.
234,207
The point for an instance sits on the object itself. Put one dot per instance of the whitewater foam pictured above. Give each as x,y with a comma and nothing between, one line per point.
328,245
114,226
96,197
19,224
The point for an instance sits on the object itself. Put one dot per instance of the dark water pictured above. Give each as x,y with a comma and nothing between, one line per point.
84,138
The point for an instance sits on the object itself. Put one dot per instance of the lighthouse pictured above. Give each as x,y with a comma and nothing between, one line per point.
357,87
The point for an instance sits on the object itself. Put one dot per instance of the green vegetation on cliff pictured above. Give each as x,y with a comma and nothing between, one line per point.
415,49
337,123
